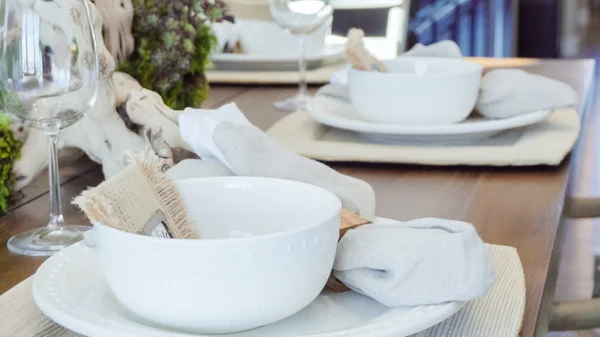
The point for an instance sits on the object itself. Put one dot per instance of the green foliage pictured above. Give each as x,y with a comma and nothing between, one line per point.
173,42
10,149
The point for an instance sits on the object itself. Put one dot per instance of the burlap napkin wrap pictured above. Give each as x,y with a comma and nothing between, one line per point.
128,200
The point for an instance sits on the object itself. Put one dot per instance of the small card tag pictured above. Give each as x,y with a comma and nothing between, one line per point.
157,227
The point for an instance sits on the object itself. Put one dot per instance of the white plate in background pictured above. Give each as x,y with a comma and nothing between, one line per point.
333,53
332,107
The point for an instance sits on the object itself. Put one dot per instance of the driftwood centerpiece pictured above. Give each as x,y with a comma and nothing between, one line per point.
126,117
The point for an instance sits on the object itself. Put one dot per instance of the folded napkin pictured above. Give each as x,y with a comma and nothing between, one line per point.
510,92
227,35
225,134
446,48
227,32
420,262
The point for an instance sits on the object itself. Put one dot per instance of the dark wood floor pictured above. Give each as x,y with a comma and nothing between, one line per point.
582,237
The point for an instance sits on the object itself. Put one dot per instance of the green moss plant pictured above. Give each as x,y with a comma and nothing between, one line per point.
10,149
173,41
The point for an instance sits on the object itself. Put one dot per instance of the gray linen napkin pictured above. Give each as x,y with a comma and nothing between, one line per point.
419,262
226,135
446,48
510,92
424,261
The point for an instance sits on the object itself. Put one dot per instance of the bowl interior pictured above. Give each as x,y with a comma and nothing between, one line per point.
230,207
430,66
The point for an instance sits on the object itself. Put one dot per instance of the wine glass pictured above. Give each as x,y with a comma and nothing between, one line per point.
300,17
48,79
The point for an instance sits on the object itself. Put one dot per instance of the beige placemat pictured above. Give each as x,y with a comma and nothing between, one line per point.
19,317
545,143
250,9
322,75
498,315
316,76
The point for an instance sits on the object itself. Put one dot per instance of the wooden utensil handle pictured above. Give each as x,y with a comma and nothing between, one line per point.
348,221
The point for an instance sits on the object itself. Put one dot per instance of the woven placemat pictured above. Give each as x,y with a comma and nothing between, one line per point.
498,315
19,317
316,76
545,143
322,75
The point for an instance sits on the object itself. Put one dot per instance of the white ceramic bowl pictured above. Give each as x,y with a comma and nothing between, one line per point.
266,37
266,252
417,90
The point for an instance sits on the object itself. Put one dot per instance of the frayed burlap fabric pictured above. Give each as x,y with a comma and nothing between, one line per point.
128,200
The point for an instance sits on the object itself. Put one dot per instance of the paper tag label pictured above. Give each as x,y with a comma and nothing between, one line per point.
157,227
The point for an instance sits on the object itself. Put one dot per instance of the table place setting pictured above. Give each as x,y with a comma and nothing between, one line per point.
431,106
168,257
186,221
264,44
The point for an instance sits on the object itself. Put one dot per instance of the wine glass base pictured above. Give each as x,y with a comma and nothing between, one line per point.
292,104
46,241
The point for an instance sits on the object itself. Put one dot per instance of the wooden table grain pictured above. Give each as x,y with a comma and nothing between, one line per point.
520,207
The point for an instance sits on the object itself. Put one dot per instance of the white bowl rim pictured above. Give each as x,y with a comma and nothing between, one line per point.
468,67
239,240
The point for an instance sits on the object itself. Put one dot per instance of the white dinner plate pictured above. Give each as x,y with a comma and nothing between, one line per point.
70,289
332,107
333,53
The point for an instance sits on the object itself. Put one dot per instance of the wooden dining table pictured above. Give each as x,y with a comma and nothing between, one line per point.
520,206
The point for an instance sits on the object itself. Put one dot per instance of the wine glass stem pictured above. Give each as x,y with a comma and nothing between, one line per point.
302,89
56,217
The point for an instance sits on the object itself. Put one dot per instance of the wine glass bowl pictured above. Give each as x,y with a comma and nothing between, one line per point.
300,17
43,78
48,79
